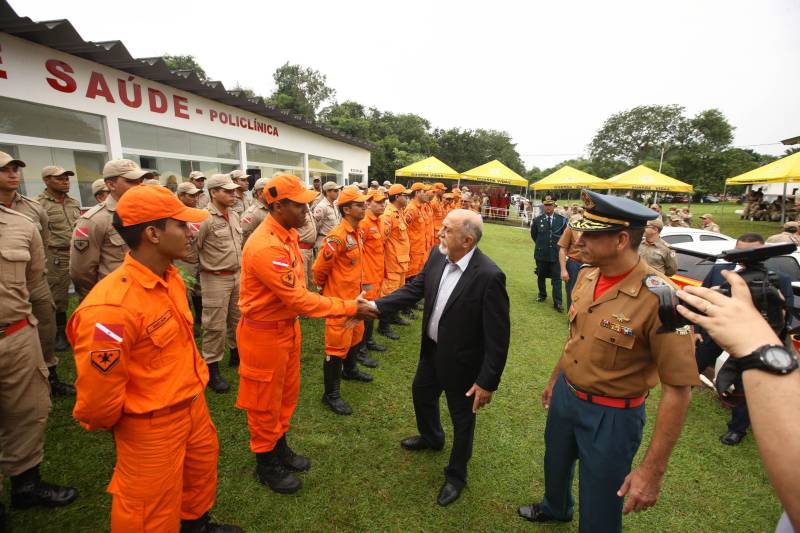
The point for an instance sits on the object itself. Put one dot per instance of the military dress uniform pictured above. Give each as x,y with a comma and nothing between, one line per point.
615,354
546,231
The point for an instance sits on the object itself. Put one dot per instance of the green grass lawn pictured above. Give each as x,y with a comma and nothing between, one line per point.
361,480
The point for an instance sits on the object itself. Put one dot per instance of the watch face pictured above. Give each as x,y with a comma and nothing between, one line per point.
777,358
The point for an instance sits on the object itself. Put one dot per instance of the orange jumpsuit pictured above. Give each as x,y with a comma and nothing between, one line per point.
141,376
271,296
416,224
396,250
374,232
338,269
439,211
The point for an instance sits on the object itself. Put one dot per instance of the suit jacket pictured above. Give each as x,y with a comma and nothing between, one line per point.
546,236
474,328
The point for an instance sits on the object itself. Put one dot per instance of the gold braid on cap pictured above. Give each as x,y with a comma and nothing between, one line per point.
598,218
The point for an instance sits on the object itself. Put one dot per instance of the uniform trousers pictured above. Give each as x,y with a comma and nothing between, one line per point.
166,469
58,277
220,313
706,355
573,269
392,282
269,378
339,338
604,440
45,312
24,401
308,263
552,270
426,390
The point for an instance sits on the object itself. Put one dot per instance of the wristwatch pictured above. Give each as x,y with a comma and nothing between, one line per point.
772,358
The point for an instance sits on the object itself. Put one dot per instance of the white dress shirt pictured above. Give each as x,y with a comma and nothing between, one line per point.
450,276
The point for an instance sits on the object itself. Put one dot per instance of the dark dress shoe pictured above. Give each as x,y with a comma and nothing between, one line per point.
541,298
448,494
732,438
534,513
417,443
375,347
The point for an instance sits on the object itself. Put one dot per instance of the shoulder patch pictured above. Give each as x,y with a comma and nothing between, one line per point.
105,360
288,279
281,264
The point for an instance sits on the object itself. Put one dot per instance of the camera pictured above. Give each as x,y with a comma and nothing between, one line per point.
762,282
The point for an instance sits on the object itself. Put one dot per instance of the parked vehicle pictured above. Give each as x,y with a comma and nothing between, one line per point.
709,199
674,235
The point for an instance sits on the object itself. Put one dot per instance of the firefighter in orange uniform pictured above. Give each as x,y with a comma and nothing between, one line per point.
141,376
272,294
447,202
419,228
438,208
430,234
396,254
338,271
374,233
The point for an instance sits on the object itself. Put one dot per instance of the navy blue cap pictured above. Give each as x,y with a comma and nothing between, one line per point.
603,212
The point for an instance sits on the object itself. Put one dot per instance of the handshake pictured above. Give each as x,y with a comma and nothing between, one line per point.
365,310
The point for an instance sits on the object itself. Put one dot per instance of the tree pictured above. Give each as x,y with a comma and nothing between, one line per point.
638,134
466,149
300,90
249,93
185,62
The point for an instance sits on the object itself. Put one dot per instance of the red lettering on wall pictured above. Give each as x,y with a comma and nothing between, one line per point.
212,115
136,101
158,101
180,105
61,80
98,87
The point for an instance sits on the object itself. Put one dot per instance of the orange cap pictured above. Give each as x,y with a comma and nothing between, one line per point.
282,186
398,189
146,204
439,187
419,186
457,192
351,194
376,195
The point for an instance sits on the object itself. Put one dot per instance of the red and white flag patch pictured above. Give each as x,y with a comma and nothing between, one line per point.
193,226
108,332
282,263
82,233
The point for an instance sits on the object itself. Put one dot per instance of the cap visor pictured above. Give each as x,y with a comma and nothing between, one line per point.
190,214
136,174
229,186
304,197
67,173
361,198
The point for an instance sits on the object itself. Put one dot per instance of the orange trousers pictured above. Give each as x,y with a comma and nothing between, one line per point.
269,379
339,338
392,282
166,469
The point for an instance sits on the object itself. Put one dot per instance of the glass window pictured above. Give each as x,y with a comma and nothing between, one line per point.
88,166
266,156
157,139
712,238
675,239
37,120
325,168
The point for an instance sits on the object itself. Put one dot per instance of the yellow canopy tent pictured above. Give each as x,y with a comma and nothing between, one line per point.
495,172
642,178
427,168
783,170
567,177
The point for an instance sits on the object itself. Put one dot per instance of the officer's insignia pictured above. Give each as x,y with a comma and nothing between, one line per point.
105,360
80,245
588,203
81,233
620,317
351,242
108,332
684,330
619,328
281,263
158,322
247,219
652,281
288,279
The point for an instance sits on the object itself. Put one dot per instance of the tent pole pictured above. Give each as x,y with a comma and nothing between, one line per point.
723,199
783,204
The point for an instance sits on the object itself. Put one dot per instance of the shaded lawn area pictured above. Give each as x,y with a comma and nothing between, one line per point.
361,480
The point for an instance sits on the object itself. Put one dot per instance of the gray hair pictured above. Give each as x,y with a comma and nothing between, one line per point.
469,227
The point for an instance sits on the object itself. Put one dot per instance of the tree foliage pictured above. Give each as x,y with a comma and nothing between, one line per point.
185,62
300,90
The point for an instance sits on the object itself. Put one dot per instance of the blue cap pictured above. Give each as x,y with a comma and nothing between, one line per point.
603,212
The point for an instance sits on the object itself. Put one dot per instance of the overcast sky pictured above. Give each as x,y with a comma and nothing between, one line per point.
547,72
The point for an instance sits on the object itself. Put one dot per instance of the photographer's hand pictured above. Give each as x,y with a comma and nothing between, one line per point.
724,317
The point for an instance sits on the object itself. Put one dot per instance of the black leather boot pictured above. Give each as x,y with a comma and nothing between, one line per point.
369,341
58,388
291,460
28,490
233,362
350,369
215,380
332,374
197,302
362,356
385,329
271,472
205,525
397,320
61,344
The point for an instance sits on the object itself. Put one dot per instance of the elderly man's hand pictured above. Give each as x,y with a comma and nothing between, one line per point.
482,397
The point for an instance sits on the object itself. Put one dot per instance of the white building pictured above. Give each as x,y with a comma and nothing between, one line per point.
76,104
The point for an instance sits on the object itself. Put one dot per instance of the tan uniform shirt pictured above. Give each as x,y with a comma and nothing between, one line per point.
61,216
219,241
326,217
21,265
784,237
308,232
241,205
613,348
251,218
203,200
659,256
97,249
712,227
34,211
567,241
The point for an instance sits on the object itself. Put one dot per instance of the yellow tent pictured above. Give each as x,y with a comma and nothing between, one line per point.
781,171
567,177
427,168
642,178
495,172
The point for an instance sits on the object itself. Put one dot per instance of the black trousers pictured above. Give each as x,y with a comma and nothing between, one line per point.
706,355
552,270
426,391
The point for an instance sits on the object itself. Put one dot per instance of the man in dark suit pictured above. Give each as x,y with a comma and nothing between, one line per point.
546,230
465,336
708,350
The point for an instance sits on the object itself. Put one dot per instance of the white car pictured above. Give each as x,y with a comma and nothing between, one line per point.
675,235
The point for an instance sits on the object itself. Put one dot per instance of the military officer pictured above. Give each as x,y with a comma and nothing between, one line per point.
243,202
326,216
396,253
655,251
187,193
41,298
99,190
546,230
219,247
63,212
25,401
257,211
97,248
199,181
616,352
